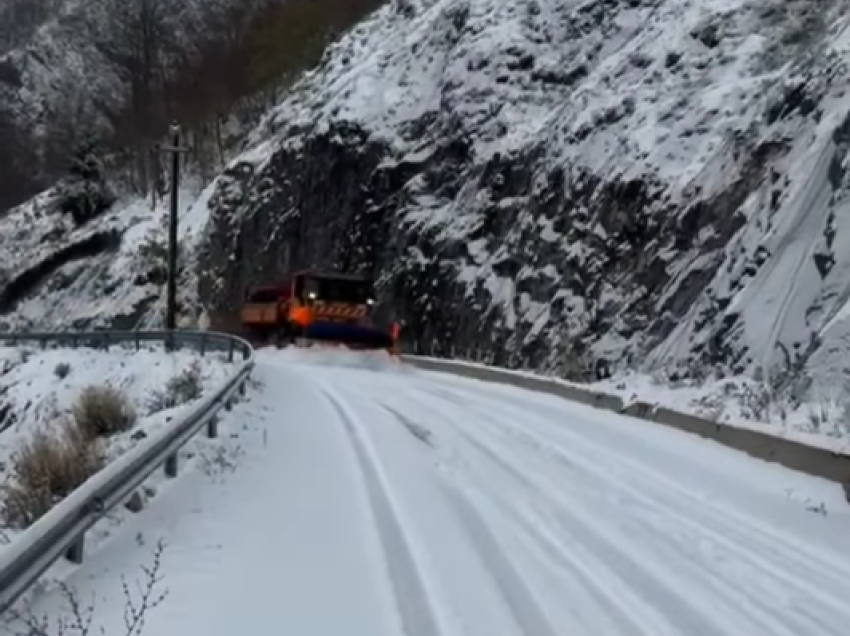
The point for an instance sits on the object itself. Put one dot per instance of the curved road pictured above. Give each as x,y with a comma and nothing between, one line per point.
391,502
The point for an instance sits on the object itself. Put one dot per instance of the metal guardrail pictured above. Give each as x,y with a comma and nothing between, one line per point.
810,460
203,341
61,531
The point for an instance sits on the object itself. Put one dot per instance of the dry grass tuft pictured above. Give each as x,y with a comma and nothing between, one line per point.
102,411
184,387
50,466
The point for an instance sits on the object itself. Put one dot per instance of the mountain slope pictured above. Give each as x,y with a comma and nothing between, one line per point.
657,181
87,89
107,273
539,183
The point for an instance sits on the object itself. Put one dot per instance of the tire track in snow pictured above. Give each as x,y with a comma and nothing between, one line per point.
412,595
516,592
656,579
812,563
513,589
624,585
817,560
751,604
698,519
630,617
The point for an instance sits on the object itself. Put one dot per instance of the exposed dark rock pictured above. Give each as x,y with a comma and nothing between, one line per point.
340,200
27,282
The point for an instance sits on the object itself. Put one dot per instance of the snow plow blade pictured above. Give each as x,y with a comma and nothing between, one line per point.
351,336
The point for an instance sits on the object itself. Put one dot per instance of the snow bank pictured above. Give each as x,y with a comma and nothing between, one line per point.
821,419
327,356
38,389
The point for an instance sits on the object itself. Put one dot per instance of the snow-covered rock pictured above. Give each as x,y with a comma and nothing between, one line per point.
109,272
660,182
547,183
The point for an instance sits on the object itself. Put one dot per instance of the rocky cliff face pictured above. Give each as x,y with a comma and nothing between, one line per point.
659,182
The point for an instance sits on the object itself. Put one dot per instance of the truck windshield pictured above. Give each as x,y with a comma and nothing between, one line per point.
343,291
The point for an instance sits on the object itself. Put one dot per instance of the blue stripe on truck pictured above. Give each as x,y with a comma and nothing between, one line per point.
346,332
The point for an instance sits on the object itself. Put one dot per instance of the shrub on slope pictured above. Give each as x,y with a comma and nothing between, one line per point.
46,469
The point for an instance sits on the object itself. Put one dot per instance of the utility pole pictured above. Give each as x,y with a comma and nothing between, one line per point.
171,291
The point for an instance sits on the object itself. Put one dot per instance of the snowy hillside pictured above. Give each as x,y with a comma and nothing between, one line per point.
655,182
41,391
88,89
110,70
53,79
109,272
659,181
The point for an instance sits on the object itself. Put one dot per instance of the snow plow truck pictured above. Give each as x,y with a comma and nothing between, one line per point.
317,308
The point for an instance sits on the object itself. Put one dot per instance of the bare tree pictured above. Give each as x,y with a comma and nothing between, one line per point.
20,18
137,37
69,121
208,77
17,180
79,618
200,65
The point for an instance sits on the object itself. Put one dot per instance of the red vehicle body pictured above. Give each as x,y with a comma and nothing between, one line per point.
313,307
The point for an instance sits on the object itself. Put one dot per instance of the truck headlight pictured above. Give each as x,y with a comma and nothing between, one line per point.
370,301
311,295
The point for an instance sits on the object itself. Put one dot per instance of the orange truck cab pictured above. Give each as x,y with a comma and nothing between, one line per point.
311,306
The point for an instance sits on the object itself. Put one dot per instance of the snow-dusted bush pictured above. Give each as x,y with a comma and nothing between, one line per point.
86,194
78,619
101,411
45,470
182,388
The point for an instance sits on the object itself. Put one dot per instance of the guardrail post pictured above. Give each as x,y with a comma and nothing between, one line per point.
171,465
76,551
23,568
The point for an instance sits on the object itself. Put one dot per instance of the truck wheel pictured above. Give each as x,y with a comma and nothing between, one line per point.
280,337
292,332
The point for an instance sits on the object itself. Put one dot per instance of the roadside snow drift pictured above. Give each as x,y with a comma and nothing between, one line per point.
39,391
818,415
369,502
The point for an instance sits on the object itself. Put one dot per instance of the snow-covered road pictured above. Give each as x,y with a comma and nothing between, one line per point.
388,501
